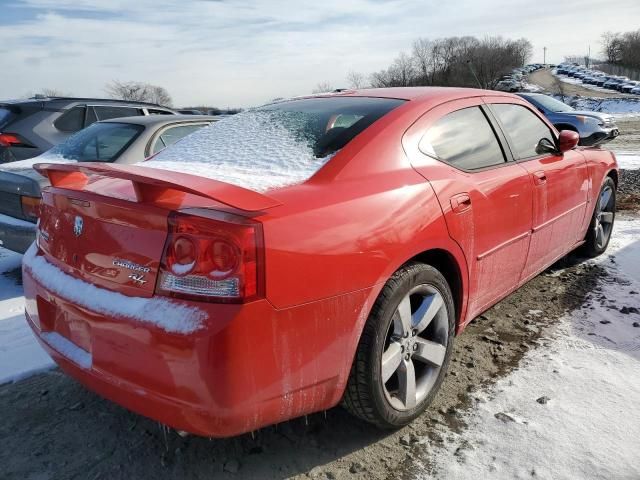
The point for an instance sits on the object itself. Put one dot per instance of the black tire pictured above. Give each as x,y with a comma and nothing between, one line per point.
365,395
592,247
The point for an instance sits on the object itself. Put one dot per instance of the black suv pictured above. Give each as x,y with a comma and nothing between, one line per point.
31,127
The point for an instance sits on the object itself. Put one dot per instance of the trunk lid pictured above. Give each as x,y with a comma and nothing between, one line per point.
107,224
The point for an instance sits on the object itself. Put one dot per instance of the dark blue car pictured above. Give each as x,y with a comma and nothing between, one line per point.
593,127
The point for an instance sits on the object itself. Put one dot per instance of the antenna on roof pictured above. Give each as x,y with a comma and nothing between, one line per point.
473,72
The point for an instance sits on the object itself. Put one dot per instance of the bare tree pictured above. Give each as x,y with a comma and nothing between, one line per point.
139,92
356,80
323,87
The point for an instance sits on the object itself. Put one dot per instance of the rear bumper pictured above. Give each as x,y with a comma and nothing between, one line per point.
16,234
251,366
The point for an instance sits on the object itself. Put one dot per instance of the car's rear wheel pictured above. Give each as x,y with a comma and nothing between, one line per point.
404,349
601,226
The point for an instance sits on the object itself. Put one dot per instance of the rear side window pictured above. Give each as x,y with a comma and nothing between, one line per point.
465,139
101,142
154,111
106,112
524,128
71,121
172,134
5,115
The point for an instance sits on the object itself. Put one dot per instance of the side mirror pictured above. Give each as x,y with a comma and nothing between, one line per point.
568,140
546,146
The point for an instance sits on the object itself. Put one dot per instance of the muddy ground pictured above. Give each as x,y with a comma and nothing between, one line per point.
52,428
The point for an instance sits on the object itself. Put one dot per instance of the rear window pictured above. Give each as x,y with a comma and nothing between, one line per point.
274,145
107,112
101,142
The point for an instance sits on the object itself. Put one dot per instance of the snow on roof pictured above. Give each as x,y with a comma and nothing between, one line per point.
30,162
256,149
160,312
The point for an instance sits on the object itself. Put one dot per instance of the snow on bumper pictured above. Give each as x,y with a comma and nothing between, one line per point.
163,313
250,365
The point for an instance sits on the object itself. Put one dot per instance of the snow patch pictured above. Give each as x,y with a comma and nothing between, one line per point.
160,312
68,349
20,353
618,107
628,160
576,399
253,149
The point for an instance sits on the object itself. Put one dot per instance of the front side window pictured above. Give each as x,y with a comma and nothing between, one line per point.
107,112
523,127
465,139
101,142
172,134
70,121
550,103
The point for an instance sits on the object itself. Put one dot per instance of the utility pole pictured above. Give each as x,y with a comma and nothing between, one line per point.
544,55
589,57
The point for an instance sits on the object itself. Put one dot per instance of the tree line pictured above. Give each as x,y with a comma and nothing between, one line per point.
452,61
622,48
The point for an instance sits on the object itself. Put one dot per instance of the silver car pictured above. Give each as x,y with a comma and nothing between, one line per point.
119,140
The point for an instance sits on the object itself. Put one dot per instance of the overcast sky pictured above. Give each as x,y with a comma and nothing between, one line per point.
229,53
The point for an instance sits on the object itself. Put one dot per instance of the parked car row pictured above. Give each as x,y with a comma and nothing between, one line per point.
600,79
116,137
31,127
514,81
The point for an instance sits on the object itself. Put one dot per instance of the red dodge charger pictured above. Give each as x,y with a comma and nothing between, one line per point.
306,253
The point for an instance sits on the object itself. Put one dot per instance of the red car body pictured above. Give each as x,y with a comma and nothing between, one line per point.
325,249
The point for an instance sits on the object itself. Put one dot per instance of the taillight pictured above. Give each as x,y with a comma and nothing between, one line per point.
30,206
214,256
13,140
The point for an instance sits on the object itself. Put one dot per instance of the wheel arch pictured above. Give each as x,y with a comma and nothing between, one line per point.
448,266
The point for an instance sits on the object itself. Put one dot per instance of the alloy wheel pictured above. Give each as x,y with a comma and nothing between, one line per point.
604,217
415,347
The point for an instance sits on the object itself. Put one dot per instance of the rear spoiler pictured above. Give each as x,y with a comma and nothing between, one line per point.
152,185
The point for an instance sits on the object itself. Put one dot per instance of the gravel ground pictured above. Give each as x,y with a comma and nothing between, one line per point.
59,430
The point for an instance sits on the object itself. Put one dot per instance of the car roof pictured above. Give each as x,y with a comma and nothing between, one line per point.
70,100
440,94
152,120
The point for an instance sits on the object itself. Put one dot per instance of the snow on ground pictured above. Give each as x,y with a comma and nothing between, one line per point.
618,107
578,81
20,353
628,160
572,410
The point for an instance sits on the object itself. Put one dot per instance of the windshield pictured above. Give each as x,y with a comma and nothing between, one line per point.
551,104
274,145
101,142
